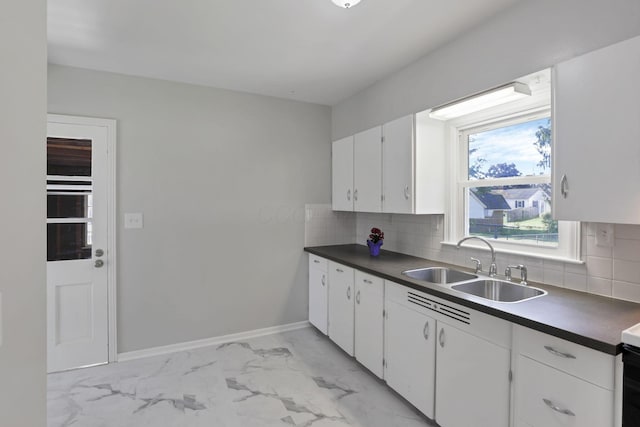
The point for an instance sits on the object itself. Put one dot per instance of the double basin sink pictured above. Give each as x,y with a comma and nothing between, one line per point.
487,288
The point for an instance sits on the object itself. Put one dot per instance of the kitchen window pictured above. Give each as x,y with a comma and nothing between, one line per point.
501,182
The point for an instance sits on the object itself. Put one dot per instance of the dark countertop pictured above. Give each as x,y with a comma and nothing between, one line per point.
593,321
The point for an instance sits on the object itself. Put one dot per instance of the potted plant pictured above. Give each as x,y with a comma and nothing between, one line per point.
375,241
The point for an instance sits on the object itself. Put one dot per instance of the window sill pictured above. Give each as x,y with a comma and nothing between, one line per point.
500,250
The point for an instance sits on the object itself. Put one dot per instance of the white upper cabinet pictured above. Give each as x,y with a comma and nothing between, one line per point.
367,171
413,173
398,166
596,146
342,174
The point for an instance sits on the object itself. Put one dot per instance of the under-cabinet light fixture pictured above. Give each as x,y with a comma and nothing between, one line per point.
346,3
481,101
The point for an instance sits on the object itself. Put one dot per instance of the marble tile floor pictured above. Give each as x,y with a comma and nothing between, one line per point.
298,378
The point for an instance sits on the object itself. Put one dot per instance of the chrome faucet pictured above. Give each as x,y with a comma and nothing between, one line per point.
493,268
523,273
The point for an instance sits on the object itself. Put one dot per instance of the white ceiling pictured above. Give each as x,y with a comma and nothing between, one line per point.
307,50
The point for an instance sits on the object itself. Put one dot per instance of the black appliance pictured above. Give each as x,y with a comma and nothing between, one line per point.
631,387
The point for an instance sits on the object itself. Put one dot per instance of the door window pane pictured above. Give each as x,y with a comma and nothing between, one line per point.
68,241
68,157
69,205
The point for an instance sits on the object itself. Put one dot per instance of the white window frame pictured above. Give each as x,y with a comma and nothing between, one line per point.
568,249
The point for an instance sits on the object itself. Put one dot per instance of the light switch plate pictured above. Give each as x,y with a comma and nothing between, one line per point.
133,220
604,235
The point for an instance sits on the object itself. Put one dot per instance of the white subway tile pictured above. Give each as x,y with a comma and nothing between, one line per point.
596,285
553,277
577,282
627,291
627,231
593,250
600,267
628,250
626,271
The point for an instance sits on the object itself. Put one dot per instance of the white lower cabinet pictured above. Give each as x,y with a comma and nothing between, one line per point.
369,323
547,397
472,387
410,355
341,305
560,384
318,292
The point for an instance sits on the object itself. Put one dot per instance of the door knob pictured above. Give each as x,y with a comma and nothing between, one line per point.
99,263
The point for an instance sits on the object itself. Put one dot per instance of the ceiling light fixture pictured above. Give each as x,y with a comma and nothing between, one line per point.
345,3
481,101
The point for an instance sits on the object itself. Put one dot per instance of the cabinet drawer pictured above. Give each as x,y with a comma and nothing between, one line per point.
588,364
369,282
319,263
546,397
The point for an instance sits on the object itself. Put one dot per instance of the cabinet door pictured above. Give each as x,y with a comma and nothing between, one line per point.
596,132
473,380
342,174
367,181
318,294
410,356
341,306
369,321
546,397
398,166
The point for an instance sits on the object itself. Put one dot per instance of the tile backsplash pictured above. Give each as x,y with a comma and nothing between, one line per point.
611,271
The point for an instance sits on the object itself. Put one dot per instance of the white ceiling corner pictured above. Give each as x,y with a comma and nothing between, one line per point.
306,50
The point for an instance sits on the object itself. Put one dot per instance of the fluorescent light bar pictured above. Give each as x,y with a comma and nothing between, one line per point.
481,101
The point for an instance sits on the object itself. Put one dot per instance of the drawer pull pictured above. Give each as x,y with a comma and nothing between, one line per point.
349,293
425,330
441,338
555,408
316,261
558,353
358,297
367,281
323,280
339,270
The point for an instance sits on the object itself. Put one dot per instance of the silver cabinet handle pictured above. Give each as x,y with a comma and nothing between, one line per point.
348,292
406,192
99,263
367,281
558,353
339,270
323,280
355,194
349,194
557,409
441,338
316,261
425,330
99,253
358,297
564,186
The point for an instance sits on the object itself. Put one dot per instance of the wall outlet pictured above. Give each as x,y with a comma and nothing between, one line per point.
604,235
133,220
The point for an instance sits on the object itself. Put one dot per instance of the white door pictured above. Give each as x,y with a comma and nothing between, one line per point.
410,355
342,174
77,279
367,170
472,374
369,323
341,306
397,165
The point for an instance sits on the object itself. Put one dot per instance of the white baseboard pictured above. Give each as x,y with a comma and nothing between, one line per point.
191,345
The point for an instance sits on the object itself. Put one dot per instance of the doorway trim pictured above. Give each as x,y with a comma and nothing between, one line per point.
110,125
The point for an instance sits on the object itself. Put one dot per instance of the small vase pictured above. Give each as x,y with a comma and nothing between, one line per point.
374,248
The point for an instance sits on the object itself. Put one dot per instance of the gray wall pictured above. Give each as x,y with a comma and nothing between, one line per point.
23,45
222,179
531,36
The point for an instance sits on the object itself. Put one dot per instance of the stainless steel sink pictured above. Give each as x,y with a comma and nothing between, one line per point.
441,275
497,290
